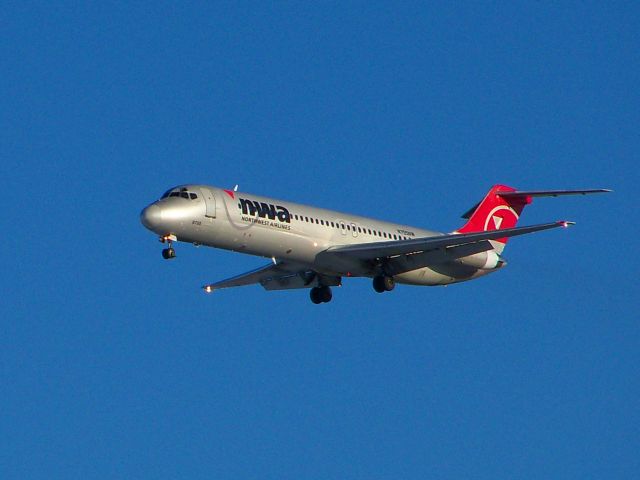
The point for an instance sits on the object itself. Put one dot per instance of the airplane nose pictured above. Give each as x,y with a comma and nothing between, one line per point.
151,216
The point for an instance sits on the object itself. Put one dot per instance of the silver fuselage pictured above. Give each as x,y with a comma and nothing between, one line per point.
290,232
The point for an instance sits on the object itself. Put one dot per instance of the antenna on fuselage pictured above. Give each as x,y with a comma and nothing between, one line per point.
235,189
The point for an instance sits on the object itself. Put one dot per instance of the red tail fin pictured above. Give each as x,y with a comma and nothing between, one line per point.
495,212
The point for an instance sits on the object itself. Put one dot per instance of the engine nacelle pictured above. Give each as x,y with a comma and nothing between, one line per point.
483,260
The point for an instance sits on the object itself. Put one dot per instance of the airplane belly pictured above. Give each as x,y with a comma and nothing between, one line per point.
265,242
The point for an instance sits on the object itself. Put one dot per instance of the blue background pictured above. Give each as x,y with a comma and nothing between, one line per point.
115,365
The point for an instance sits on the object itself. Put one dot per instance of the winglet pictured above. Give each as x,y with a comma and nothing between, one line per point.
566,223
207,289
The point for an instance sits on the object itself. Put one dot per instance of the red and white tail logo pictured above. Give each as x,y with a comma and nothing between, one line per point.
495,212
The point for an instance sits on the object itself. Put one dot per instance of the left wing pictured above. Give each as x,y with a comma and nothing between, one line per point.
372,251
279,276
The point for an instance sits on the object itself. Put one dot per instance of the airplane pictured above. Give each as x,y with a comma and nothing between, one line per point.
314,248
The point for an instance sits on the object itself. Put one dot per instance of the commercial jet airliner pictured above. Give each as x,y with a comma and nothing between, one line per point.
316,248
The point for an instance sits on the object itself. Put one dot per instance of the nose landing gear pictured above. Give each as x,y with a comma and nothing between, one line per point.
168,253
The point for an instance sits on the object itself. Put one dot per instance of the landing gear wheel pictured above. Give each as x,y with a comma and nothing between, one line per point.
168,253
383,283
325,294
315,295
320,295
378,285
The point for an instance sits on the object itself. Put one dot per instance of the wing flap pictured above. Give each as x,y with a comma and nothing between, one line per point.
406,263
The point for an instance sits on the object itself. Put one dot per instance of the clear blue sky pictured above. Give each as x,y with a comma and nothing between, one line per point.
114,364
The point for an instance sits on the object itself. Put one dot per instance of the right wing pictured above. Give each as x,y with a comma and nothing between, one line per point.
376,250
406,255
279,276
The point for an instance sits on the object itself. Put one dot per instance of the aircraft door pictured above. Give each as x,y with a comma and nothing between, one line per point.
210,202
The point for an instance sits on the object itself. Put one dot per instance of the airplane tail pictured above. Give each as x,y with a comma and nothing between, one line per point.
496,212
502,206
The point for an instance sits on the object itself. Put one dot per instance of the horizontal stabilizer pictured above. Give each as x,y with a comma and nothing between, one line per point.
551,193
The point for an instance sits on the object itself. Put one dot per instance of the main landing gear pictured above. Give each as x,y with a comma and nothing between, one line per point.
321,295
383,283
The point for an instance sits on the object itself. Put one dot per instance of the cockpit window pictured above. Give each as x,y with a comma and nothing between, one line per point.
180,193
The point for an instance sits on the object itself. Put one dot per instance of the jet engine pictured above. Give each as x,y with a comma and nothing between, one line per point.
483,260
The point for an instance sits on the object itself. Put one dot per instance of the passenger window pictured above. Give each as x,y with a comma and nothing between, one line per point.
332,224
359,229
349,227
369,230
317,222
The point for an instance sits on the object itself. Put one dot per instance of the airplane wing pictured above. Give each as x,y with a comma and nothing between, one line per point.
286,275
444,247
279,276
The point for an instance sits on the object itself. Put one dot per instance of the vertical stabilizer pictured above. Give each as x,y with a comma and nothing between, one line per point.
496,212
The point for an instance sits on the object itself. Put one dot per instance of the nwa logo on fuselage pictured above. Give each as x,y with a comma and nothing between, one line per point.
264,210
